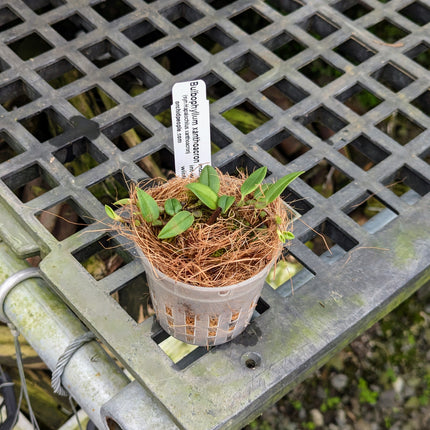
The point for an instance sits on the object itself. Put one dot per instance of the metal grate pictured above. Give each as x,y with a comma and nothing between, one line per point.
262,57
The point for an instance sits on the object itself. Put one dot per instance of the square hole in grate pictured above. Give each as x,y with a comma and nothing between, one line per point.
103,53
387,31
176,60
417,12
284,146
242,163
216,88
16,94
248,66
8,19
320,72
246,117
359,99
218,4
421,54
422,102
322,122
103,257
426,156
45,125
9,147
64,219
42,6
70,28
160,164
285,46
218,140
60,73
250,20
284,94
353,9
370,212
181,14
182,354
409,185
126,133
100,102
328,241
134,298
143,33
284,7
299,204
112,9
160,110
326,178
135,81
393,77
288,275
354,51
3,65
110,189
318,26
30,46
30,182
214,40
363,152
400,127
80,156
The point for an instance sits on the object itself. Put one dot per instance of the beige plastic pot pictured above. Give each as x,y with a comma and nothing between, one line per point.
203,316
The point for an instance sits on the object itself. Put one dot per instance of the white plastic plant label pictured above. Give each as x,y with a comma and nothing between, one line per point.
191,128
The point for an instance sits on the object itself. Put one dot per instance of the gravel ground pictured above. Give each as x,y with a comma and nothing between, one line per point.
380,381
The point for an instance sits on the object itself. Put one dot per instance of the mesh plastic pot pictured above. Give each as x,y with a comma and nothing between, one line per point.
203,316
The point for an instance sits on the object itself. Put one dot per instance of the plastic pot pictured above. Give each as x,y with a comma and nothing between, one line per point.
199,315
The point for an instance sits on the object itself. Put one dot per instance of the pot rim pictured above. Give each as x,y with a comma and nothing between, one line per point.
162,275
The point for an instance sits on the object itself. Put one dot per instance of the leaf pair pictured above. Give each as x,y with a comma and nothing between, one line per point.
207,189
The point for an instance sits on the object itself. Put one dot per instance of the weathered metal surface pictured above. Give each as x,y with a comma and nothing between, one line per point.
372,268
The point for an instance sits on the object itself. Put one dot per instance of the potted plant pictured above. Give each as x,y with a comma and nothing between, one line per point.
207,245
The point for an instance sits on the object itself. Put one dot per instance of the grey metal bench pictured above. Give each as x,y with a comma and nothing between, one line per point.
264,59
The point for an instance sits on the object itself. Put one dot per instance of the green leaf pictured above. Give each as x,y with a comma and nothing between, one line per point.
172,206
206,195
209,177
261,191
285,236
147,205
111,213
253,181
122,202
276,189
225,202
181,222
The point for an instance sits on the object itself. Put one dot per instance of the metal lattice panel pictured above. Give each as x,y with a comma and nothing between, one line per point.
269,69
